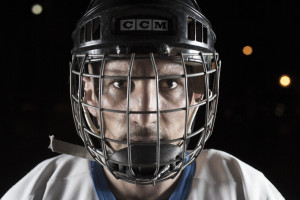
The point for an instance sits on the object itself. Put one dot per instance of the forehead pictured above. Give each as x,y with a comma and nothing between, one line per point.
144,67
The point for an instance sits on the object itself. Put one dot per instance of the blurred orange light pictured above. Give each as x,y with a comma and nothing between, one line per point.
247,50
285,81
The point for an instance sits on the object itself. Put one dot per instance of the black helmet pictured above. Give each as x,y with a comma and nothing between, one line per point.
118,26
133,30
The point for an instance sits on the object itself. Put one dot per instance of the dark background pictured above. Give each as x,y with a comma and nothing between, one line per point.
257,120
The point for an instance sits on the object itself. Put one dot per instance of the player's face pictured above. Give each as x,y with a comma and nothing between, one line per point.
143,97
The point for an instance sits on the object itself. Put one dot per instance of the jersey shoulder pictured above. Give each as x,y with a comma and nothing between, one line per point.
220,175
52,177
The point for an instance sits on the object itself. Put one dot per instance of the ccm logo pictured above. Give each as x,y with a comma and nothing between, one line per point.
143,25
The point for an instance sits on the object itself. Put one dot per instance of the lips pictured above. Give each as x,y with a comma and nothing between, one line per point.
143,139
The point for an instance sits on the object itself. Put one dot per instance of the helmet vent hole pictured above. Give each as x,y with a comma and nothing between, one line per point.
90,31
88,36
204,34
96,28
198,31
191,28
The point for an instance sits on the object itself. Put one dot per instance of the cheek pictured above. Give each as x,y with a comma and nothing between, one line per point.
114,125
172,102
112,99
173,124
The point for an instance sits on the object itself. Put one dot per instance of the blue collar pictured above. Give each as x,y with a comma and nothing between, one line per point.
104,193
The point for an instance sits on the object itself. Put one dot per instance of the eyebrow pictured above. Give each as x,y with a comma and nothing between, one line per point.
163,68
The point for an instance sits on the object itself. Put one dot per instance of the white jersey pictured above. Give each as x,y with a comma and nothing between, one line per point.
218,176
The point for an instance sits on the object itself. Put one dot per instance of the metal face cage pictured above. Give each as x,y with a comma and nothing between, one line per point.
142,157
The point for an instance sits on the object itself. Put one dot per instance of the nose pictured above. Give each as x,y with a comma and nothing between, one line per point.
143,99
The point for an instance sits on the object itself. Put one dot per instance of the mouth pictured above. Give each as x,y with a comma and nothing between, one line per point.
144,139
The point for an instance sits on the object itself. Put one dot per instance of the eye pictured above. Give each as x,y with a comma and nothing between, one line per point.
168,84
120,84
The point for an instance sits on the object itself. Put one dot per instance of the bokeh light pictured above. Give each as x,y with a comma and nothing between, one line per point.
36,9
285,81
247,50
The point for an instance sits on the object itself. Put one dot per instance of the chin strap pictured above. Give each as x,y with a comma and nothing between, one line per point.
59,146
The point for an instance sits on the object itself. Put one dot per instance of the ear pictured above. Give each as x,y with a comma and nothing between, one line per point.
89,94
196,98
